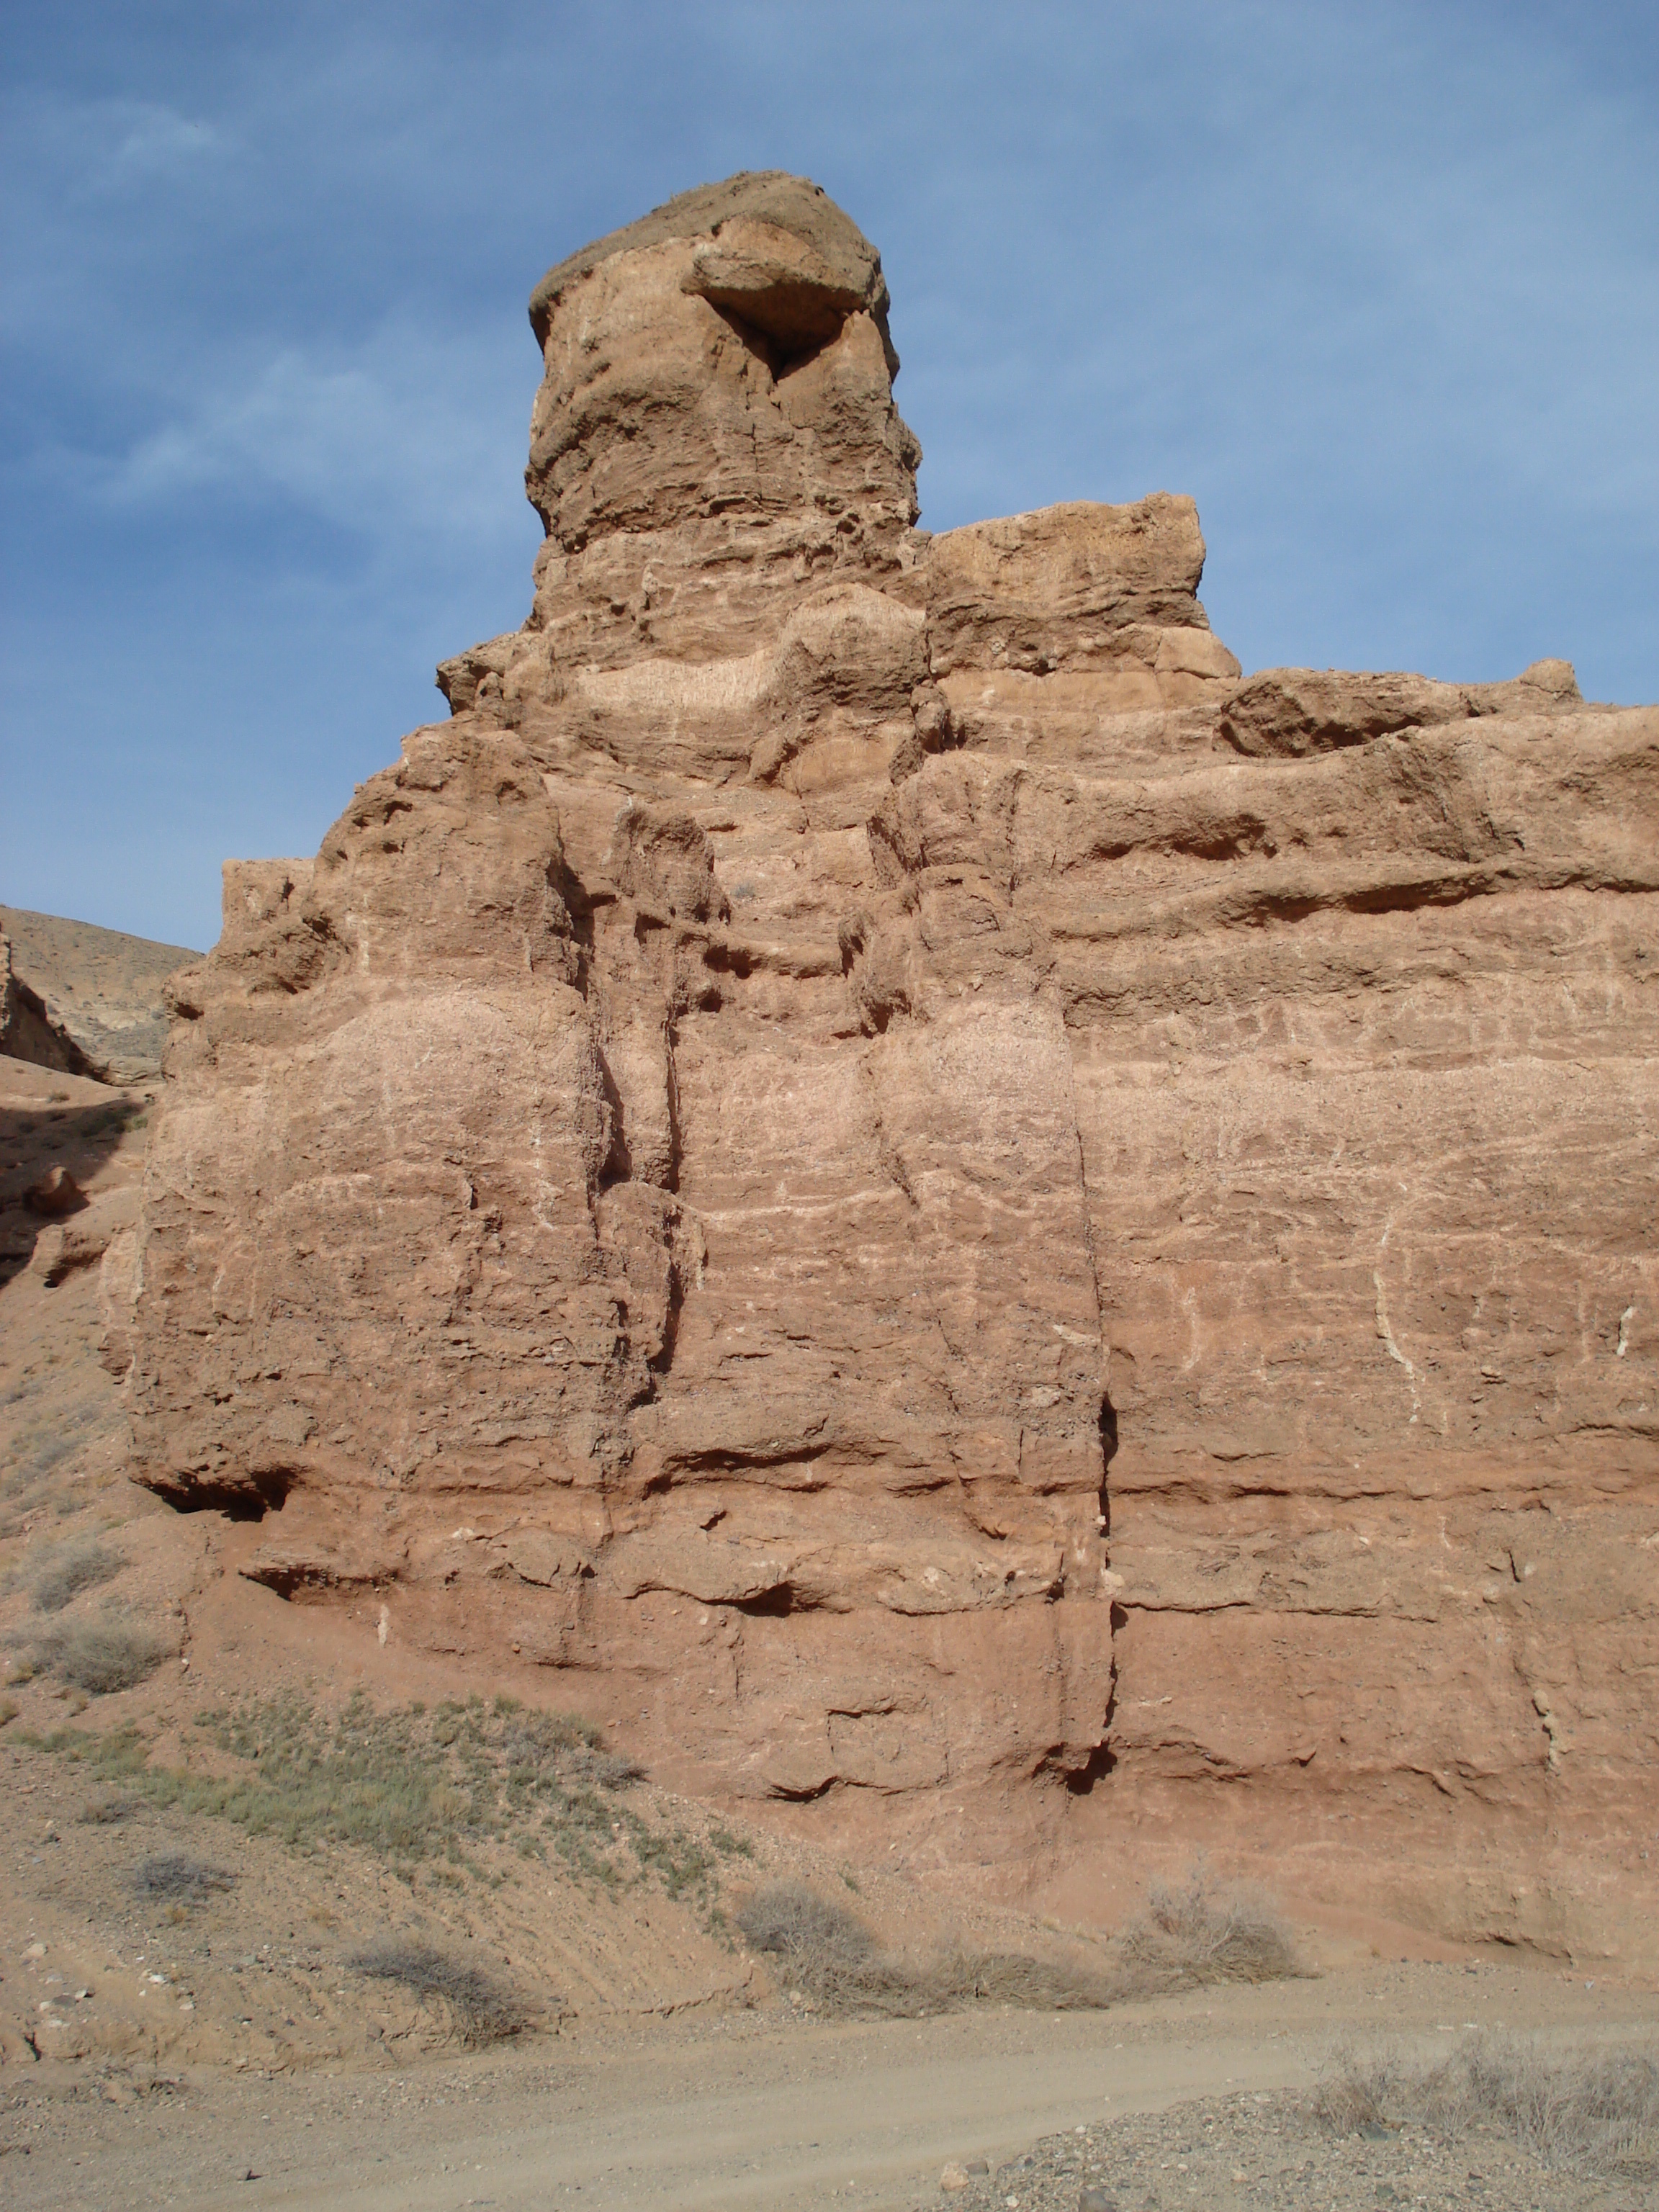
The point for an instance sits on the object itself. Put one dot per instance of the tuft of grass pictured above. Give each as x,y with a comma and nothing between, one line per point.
74,1568
1598,2113
1196,1934
605,1770
485,2008
180,1877
109,1811
9,1710
101,1657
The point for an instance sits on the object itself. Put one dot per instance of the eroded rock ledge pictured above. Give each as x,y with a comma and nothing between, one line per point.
871,1145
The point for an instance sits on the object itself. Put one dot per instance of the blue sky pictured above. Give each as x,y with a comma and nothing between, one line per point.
1378,283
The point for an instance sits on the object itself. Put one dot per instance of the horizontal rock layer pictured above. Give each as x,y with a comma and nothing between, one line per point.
878,1158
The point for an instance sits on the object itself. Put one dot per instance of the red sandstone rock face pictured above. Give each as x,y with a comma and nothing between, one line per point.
873,1146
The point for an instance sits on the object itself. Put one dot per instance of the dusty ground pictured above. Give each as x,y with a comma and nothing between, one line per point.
221,2048
742,2108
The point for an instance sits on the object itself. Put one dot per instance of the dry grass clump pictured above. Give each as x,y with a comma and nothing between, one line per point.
109,1810
73,1568
1196,1934
1186,1938
605,1770
33,1453
101,1657
485,2009
1594,2113
180,1876
828,1955
796,1924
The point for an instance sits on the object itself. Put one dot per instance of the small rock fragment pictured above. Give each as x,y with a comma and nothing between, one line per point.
57,1194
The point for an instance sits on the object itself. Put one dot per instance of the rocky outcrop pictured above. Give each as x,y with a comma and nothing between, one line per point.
934,1198
82,1000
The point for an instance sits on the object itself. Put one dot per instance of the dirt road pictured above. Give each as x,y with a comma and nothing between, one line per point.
874,2126
748,2112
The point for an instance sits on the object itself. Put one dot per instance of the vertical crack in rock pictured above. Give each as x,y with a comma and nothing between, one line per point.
1386,1334
840,1020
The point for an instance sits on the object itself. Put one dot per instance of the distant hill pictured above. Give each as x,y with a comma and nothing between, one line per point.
85,1000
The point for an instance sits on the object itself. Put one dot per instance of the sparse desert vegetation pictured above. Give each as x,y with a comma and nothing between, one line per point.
1198,1934
100,1655
180,1877
69,1569
1595,2113
417,1786
484,2007
1186,1938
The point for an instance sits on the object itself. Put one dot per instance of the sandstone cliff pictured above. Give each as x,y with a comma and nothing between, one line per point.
876,1157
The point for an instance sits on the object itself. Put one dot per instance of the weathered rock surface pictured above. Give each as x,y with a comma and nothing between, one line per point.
85,1000
871,1154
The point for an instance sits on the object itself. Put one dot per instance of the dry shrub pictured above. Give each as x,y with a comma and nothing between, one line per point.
177,1875
1186,1938
831,1956
1196,1934
74,1568
102,1656
805,1929
1015,1978
109,1811
484,2008
1595,2113
605,1770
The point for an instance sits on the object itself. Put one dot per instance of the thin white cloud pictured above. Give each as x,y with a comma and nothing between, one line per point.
404,433
77,149
149,142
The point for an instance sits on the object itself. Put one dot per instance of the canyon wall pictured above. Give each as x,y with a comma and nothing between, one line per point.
961,1218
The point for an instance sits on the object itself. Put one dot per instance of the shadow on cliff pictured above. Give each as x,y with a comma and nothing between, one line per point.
1107,1454
1103,1758
80,1140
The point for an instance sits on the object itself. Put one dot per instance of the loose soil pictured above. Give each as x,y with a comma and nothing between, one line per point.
1201,2100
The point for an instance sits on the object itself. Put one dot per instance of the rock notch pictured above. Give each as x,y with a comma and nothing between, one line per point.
937,1201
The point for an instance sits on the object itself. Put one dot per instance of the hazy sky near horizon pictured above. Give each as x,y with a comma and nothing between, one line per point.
1377,281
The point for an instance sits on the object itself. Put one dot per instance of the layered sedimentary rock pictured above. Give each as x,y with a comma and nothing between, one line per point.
873,1154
